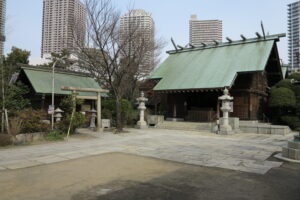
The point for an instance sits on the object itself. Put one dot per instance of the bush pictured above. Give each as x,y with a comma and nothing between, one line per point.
295,76
297,90
292,121
55,135
32,120
5,140
79,121
285,83
282,98
15,125
109,111
67,104
15,97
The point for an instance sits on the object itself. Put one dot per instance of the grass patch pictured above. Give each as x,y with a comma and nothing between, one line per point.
55,136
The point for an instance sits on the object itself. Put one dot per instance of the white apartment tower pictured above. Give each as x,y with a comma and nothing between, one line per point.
293,35
138,22
205,31
64,24
2,25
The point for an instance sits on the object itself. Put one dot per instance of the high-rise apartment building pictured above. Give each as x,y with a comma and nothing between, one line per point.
2,25
64,24
293,35
139,24
205,31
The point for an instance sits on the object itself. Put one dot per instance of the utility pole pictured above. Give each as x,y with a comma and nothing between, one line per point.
53,89
2,40
3,95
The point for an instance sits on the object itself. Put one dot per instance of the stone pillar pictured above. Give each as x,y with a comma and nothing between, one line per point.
225,128
142,123
174,111
99,122
93,120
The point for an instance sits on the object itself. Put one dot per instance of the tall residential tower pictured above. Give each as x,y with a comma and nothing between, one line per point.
140,23
293,35
63,25
205,31
2,25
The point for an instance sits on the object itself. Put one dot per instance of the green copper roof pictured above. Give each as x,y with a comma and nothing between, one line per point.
212,66
41,81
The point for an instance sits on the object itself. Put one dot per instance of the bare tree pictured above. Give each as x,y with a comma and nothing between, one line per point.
115,58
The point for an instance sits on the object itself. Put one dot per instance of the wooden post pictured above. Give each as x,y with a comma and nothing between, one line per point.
43,102
73,112
218,109
99,121
6,120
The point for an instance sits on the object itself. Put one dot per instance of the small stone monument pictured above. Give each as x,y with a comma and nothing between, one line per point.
292,151
93,119
58,114
225,128
142,123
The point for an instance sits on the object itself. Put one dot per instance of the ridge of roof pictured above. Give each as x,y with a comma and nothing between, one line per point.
57,70
231,43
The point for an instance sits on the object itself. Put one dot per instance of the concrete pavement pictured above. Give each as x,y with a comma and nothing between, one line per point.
242,152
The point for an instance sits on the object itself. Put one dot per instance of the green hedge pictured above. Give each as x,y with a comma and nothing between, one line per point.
282,98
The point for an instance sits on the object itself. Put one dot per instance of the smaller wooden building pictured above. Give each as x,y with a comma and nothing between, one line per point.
39,81
188,83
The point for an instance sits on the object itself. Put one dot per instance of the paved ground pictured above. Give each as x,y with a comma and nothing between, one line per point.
242,152
117,176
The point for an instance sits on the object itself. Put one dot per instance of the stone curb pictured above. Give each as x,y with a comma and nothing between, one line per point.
279,156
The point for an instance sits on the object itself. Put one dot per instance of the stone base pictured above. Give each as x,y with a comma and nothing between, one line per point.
292,151
226,130
141,125
293,144
175,119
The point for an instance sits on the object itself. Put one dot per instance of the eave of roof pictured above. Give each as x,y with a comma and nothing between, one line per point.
214,66
41,81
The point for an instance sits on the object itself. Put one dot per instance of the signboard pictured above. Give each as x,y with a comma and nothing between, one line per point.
50,110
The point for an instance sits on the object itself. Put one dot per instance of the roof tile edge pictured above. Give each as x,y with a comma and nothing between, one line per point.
224,44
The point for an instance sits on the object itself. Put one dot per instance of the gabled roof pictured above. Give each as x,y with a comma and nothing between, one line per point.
214,66
41,81
284,70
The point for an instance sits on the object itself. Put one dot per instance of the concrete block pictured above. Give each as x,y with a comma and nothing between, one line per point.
285,152
234,122
141,125
280,130
294,145
226,130
294,154
154,120
105,123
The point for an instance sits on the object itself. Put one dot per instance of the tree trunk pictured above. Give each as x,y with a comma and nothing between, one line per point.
119,115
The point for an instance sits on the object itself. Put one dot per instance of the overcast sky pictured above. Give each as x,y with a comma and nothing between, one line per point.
24,19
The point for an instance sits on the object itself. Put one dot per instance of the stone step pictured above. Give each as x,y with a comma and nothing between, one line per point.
185,126
250,127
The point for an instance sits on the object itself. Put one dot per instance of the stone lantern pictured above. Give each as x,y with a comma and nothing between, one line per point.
93,119
292,151
58,114
225,128
142,123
